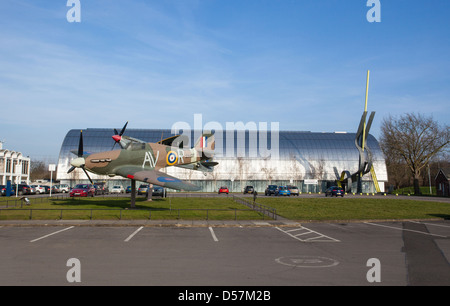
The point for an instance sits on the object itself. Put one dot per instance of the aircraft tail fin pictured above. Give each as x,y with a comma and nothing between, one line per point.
206,144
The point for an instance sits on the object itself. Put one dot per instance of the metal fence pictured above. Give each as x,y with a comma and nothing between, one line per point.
6,206
20,201
119,212
263,209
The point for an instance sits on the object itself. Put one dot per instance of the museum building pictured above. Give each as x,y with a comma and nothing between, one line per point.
14,167
309,160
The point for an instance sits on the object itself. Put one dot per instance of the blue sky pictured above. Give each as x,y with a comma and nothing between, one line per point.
301,63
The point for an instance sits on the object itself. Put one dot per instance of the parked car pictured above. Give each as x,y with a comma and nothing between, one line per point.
271,189
293,190
158,191
64,188
24,189
39,188
249,189
102,188
223,189
55,189
283,191
83,190
334,191
98,189
3,190
142,189
117,189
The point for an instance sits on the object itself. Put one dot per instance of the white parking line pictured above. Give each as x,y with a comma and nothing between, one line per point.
52,234
134,233
407,230
317,237
213,234
440,225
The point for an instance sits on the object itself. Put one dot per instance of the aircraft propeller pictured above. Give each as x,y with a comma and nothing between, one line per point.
80,162
118,136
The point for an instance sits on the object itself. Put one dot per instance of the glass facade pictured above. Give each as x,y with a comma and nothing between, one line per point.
249,158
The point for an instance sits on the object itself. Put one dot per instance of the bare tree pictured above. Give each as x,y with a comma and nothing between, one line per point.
415,139
39,170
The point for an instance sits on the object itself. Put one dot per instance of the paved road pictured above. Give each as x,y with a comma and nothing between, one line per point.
255,253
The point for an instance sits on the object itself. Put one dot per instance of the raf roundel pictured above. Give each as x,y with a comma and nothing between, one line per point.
171,158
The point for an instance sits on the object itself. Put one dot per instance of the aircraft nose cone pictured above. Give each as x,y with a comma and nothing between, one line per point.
78,162
117,138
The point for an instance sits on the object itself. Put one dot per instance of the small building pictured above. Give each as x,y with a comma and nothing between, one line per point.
14,167
442,182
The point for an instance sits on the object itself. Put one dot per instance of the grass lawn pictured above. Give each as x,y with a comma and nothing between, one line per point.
224,208
348,208
107,208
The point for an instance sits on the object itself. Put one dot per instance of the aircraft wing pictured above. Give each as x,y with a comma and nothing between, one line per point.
155,177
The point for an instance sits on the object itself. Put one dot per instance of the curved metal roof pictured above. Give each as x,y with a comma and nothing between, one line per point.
301,145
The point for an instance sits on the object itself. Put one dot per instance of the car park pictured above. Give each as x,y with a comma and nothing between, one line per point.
117,189
293,190
283,191
271,189
223,189
249,189
82,190
334,191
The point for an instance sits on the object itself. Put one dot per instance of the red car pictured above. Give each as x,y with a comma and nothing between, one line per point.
223,189
83,190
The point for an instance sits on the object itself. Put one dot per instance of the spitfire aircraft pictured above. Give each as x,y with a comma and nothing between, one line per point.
141,161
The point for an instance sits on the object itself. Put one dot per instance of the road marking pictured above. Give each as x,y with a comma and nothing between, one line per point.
317,237
213,234
402,229
134,233
440,225
52,234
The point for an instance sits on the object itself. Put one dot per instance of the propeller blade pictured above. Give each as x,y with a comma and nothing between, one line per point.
80,145
84,169
123,129
118,136
80,161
